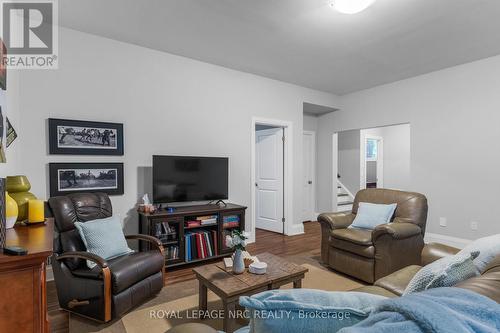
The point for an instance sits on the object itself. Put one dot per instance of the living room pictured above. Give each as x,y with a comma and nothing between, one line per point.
192,79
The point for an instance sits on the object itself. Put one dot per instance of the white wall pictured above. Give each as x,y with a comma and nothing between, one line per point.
454,117
310,123
349,156
396,154
168,104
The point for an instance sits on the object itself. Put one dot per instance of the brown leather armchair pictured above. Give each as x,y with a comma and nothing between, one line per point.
371,254
114,286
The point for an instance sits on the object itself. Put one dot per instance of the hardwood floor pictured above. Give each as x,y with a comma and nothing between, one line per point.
266,241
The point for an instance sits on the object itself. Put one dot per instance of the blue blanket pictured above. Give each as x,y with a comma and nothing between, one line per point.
452,310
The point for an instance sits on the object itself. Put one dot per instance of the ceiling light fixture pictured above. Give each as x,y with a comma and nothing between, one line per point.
350,6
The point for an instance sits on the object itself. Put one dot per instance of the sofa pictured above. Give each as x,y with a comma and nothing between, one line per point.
393,285
369,255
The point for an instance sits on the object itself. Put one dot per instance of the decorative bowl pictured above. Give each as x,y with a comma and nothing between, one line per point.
15,184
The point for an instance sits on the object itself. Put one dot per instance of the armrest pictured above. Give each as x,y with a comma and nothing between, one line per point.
155,241
435,251
102,263
106,276
397,230
336,220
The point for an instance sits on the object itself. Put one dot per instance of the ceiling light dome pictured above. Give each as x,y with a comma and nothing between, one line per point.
350,6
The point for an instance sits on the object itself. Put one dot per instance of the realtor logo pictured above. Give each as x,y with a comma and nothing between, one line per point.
29,31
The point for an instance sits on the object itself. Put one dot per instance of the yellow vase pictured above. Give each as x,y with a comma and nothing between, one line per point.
22,199
11,211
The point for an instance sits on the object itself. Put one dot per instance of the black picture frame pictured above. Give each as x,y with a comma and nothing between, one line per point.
80,138
65,178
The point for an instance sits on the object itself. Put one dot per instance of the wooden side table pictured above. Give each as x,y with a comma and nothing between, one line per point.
23,301
230,287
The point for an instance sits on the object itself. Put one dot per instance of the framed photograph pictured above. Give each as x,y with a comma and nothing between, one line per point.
66,178
78,137
3,67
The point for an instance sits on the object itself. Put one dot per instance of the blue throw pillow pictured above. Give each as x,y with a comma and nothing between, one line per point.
103,237
489,248
445,272
307,310
371,215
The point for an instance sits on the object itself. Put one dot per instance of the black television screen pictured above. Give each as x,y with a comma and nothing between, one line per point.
184,178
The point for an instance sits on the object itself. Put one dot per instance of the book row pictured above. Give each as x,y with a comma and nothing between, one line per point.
200,245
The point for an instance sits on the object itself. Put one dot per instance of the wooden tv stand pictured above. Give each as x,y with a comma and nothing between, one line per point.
176,220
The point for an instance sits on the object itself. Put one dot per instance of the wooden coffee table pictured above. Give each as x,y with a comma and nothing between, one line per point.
229,287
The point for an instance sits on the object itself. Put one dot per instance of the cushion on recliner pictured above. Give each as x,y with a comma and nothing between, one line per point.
399,280
103,237
357,236
127,270
362,250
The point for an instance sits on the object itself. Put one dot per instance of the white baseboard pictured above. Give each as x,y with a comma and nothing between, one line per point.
296,229
447,240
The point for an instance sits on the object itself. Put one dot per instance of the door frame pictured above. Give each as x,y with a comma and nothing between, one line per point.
313,176
287,126
380,160
274,224
335,170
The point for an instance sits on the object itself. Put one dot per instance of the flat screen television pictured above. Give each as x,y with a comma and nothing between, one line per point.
186,178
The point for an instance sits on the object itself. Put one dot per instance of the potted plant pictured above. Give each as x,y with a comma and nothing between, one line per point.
237,240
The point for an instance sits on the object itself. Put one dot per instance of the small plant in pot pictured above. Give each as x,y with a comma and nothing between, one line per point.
237,240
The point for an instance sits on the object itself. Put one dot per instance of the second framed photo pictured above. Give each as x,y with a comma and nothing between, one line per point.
66,178
78,137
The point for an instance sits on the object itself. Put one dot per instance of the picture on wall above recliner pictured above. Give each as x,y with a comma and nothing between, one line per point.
78,137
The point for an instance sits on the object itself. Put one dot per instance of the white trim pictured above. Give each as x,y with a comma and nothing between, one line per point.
296,229
447,240
335,169
313,171
288,172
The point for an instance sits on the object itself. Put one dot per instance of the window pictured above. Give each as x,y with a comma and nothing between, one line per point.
371,149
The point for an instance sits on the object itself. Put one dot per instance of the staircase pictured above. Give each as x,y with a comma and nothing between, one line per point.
345,198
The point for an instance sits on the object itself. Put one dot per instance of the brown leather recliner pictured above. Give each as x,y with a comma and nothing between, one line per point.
371,254
114,286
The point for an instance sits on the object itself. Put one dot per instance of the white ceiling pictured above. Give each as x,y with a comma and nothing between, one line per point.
302,41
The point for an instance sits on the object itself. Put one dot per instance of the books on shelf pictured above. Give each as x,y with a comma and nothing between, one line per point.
231,218
201,221
172,252
192,224
165,232
200,245
231,221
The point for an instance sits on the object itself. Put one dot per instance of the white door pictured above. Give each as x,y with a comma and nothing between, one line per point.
308,178
269,179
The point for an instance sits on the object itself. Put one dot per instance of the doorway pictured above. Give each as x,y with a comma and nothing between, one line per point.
377,157
309,176
271,176
373,161
269,192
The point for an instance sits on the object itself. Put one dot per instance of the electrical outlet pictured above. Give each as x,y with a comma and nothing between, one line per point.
442,221
474,225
